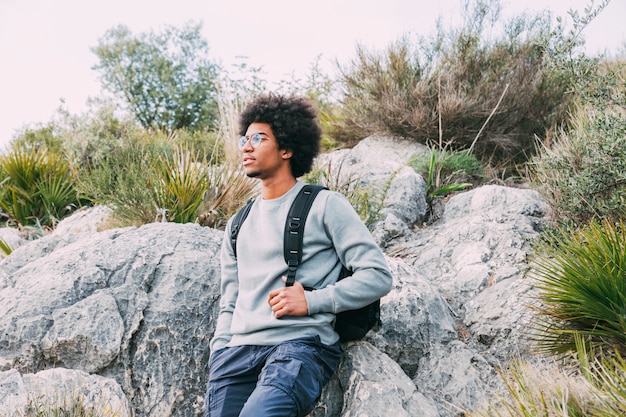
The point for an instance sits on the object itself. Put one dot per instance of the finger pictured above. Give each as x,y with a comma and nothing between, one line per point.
281,311
274,293
274,300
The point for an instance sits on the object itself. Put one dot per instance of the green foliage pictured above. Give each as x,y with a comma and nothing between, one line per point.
165,78
179,177
583,173
183,182
199,142
581,279
90,138
5,248
446,172
127,177
229,188
608,375
38,188
451,83
43,137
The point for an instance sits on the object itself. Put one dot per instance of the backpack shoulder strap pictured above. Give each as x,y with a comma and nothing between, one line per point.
294,228
237,222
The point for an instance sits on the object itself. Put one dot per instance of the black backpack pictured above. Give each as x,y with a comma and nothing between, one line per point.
350,325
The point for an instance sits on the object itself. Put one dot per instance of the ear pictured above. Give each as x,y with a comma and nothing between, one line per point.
286,154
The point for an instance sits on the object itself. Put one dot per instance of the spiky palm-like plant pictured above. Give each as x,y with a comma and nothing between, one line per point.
581,277
39,187
183,182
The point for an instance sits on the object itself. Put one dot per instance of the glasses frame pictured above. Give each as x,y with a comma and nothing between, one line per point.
255,140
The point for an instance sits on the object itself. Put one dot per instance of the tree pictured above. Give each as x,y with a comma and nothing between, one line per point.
166,78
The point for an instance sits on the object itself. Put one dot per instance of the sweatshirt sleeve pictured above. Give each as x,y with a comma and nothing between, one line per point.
358,251
229,289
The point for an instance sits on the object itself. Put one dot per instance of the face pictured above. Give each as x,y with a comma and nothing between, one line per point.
266,160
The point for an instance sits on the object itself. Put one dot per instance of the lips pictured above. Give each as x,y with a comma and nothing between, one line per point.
247,160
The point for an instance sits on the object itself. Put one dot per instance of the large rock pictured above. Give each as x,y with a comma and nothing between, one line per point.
374,385
56,391
476,256
134,304
379,164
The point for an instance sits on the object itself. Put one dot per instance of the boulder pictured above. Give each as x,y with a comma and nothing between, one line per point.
58,391
373,385
476,257
380,164
135,304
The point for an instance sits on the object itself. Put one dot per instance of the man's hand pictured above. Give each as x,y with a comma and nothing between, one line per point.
288,301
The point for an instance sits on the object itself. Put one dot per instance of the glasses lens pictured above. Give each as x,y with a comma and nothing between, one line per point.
255,140
242,142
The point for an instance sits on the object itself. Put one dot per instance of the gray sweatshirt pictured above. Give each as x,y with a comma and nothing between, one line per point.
334,234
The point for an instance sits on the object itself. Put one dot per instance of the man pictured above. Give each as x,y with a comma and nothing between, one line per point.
274,346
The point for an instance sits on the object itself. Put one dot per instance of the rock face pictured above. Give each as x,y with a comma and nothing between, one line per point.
134,305
72,388
134,308
380,164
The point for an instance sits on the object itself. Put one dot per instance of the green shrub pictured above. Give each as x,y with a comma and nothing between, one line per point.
452,83
126,178
446,171
229,188
41,137
91,138
183,182
582,174
38,188
582,171
581,277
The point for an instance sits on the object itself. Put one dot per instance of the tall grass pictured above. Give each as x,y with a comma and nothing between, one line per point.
71,403
587,389
229,188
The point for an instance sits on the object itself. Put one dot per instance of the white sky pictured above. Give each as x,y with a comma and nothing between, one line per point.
45,45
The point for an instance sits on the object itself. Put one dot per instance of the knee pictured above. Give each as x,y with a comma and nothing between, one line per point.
270,400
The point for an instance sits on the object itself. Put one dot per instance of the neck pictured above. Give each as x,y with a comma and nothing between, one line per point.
273,187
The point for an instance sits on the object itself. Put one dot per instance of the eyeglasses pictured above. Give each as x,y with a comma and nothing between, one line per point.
255,140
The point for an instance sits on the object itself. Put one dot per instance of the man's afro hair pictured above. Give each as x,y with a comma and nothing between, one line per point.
293,121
